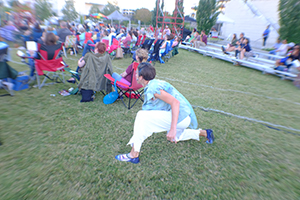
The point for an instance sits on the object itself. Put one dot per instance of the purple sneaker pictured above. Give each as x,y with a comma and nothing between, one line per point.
126,158
210,136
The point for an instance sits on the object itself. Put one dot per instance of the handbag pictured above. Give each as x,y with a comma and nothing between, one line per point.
111,97
119,52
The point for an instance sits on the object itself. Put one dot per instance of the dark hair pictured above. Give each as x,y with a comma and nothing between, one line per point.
172,36
37,26
105,32
169,37
147,71
234,36
101,47
130,33
50,39
135,34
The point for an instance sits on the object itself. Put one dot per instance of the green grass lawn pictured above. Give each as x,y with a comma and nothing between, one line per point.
59,148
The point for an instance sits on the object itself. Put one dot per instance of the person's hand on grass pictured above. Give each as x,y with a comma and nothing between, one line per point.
171,136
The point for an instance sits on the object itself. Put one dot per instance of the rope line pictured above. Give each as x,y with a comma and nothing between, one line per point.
248,119
230,90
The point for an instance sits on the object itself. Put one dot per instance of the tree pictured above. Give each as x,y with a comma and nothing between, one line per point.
94,9
69,11
109,8
289,12
43,9
207,14
143,14
13,3
153,18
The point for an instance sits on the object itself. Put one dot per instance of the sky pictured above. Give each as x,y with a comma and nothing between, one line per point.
150,4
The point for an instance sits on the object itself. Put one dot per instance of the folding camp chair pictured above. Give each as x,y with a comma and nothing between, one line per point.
49,60
147,44
154,53
6,74
112,50
133,91
70,43
167,54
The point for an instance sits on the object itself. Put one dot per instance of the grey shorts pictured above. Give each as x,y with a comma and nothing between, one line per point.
249,54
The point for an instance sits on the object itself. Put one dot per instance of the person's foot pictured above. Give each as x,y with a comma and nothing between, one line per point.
72,80
210,136
127,158
223,49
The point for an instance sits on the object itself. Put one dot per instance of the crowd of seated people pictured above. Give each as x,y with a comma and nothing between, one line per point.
290,63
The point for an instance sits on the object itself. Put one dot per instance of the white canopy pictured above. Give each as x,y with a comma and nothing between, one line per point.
223,19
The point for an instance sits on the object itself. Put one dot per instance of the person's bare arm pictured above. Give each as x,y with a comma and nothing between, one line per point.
81,62
124,74
166,97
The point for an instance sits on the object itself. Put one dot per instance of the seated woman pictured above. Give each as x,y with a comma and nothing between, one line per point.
127,41
246,50
190,36
196,37
233,44
176,41
164,45
49,42
126,77
164,109
92,68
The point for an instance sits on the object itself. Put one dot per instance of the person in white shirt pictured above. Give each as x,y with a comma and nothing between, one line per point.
111,35
281,51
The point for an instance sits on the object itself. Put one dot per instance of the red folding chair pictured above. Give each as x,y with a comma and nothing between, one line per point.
49,61
138,43
132,92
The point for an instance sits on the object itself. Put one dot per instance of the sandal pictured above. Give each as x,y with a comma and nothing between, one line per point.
210,136
127,158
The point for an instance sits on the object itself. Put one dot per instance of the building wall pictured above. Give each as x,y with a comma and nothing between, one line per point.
246,21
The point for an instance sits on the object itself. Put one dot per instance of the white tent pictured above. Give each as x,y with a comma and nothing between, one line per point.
223,19
117,16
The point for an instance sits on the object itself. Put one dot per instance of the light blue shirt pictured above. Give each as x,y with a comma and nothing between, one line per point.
152,103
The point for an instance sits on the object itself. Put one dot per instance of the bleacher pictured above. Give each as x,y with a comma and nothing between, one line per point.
260,61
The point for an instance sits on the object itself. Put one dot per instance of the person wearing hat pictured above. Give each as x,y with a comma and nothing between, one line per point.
96,36
167,31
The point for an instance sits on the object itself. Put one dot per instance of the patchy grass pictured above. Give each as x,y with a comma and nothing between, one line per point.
59,148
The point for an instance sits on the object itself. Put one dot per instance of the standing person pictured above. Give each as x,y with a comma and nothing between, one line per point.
63,32
265,35
164,109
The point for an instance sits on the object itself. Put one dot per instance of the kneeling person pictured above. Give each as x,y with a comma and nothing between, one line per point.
164,109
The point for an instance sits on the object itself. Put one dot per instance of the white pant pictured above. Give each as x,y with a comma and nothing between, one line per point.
148,122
